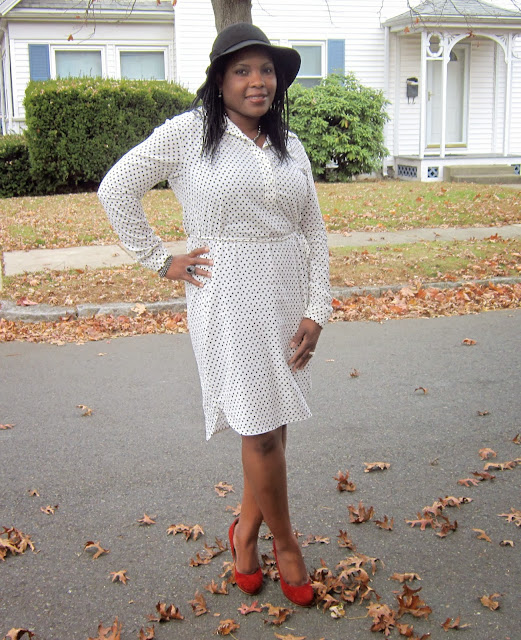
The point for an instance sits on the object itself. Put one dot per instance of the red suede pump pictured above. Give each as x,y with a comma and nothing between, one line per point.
250,583
302,595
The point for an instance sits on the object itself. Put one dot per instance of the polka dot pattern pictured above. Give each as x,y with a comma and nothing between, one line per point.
261,221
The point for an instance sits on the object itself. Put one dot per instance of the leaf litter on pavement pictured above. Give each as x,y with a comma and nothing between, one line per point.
337,586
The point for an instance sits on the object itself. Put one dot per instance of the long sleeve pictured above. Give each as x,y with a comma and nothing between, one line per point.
319,307
156,159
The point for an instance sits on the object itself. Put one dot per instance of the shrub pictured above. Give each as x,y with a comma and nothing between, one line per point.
340,121
15,177
78,127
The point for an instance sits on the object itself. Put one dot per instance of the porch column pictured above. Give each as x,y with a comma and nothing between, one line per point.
423,94
508,96
444,62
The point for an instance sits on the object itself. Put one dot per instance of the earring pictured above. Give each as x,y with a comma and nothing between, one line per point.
220,93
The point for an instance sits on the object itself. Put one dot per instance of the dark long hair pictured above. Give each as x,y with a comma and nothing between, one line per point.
274,123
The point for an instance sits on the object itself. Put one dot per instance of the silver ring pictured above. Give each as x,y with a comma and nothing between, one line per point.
311,353
190,269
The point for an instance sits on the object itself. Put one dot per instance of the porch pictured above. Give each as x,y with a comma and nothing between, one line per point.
486,168
454,78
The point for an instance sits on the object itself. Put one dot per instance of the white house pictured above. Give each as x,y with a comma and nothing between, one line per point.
451,69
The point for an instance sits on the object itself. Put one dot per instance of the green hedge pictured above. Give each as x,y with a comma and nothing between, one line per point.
78,127
15,176
340,121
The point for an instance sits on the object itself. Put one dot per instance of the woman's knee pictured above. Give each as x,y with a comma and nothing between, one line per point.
264,443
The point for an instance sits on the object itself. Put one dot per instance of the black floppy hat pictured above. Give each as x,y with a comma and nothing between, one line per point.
241,35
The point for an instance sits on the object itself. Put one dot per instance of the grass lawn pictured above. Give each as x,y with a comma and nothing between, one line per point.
402,264
78,219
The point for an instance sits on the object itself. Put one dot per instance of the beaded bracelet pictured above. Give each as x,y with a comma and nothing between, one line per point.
164,269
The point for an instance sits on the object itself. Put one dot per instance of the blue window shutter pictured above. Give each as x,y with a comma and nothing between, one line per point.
39,66
336,56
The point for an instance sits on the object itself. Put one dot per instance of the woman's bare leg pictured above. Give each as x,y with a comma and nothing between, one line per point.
247,529
264,464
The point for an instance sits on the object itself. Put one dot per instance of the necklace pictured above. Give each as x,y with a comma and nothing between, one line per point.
258,134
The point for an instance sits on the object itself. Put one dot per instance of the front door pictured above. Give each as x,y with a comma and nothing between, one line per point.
457,99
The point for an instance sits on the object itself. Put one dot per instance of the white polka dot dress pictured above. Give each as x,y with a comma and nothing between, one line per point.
261,221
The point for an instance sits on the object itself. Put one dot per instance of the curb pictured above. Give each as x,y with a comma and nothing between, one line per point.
49,313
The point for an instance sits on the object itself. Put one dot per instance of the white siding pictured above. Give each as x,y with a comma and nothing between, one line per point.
289,20
515,127
481,102
409,120
105,38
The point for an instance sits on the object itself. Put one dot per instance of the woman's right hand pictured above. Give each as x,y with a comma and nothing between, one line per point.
177,270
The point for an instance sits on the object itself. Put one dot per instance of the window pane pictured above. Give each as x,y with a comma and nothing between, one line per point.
311,56
142,65
308,82
78,64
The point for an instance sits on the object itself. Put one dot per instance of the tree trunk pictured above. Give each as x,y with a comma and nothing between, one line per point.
227,12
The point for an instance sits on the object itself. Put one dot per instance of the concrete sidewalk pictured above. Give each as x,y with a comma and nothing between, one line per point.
97,256
19,262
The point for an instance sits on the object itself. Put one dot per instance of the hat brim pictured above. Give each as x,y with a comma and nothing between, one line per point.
286,60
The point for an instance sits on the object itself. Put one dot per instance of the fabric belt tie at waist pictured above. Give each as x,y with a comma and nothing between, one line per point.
246,239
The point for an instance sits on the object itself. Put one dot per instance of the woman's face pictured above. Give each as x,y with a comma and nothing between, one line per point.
248,86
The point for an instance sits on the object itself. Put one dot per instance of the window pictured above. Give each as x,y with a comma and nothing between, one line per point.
78,64
142,65
312,65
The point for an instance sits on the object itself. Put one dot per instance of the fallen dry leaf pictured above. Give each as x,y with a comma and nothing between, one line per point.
385,523
483,413
355,373
360,514
514,516
376,466
17,634
198,604
279,614
236,511
109,633
345,541
482,535
410,602
208,553
223,488
449,624
506,543
384,618
469,342
49,510
95,545
4,427
227,627
290,636
245,609
213,587
148,634
34,492
490,601
501,466
147,520
120,576
517,439
14,541
188,531
421,389
344,484
467,482
87,411
405,577
165,614
486,453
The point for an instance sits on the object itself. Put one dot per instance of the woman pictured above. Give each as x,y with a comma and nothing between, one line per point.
256,271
